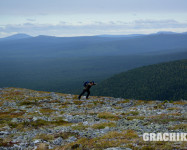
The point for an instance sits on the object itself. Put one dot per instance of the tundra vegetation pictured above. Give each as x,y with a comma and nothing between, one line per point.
48,120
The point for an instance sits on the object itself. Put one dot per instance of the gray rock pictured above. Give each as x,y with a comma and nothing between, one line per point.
74,119
106,129
72,139
9,104
36,141
117,148
34,118
4,133
14,120
123,122
169,105
58,141
17,147
22,107
6,128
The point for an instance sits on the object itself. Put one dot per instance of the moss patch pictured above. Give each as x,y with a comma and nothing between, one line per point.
103,125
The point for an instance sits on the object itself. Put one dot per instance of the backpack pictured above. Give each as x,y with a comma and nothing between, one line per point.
85,83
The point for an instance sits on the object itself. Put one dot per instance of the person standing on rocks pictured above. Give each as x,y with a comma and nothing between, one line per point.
87,86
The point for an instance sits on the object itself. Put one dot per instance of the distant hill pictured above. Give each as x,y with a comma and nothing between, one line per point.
127,36
165,81
136,35
16,37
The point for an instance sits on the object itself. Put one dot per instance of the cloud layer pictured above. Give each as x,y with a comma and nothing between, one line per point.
91,17
94,28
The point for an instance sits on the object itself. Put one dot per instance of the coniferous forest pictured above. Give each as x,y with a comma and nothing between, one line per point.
164,81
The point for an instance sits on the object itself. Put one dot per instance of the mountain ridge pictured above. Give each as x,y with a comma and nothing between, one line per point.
92,46
104,35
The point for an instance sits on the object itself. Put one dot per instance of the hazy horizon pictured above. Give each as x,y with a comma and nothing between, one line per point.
164,32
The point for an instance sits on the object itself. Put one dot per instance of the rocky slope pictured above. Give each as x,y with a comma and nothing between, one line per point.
47,120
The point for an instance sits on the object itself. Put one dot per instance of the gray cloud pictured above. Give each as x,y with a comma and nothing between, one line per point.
32,20
119,27
159,24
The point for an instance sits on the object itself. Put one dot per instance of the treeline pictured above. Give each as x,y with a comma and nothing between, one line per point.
165,81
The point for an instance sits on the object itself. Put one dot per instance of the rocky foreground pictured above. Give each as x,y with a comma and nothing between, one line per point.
47,120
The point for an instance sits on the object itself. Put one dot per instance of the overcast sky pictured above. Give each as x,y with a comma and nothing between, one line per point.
91,17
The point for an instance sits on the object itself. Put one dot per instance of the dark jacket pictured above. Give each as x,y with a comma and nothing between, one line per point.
88,86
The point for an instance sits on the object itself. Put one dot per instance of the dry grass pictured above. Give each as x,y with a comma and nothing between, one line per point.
165,118
79,126
28,103
46,111
6,142
42,146
98,102
135,117
159,106
65,135
180,102
77,102
111,139
139,102
54,101
173,108
103,125
113,134
108,115
90,106
46,137
117,107
124,101
42,123
10,114
179,126
131,113
160,145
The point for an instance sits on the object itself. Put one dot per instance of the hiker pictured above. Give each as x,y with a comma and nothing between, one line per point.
87,85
